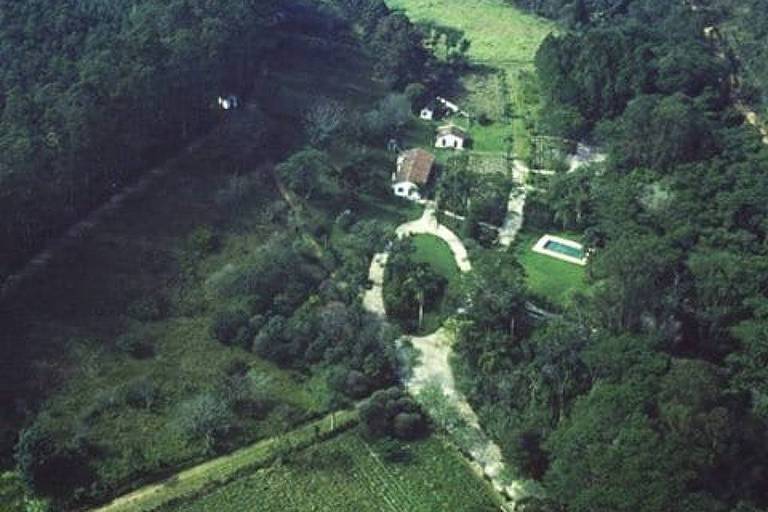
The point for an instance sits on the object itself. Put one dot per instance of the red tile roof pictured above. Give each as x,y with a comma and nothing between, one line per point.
416,166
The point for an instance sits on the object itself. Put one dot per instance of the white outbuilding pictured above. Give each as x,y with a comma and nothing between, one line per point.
229,102
451,137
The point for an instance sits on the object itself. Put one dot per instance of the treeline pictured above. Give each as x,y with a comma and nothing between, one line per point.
93,92
650,392
745,29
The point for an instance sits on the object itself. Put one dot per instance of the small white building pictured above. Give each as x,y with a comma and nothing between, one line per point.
451,137
229,102
450,106
427,113
414,170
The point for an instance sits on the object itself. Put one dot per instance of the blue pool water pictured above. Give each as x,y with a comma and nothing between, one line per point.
567,250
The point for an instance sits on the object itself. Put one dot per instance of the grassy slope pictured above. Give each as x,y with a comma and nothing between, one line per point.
548,277
503,38
200,478
434,251
354,478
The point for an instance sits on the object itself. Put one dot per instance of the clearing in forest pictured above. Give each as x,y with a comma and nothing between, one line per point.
504,41
548,278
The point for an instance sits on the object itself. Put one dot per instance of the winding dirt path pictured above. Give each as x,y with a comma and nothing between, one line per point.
434,351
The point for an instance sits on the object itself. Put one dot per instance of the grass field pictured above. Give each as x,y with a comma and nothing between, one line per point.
548,277
504,43
435,252
346,474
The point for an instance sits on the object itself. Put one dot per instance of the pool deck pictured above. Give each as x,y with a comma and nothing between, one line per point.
541,248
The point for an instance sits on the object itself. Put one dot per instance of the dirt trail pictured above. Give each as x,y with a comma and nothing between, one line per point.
434,353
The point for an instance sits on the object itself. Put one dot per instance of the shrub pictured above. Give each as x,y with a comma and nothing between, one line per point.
205,417
137,344
53,465
141,393
231,327
392,413
203,241
148,309
409,426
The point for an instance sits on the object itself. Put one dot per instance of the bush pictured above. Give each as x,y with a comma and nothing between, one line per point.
205,417
148,309
392,413
141,393
53,465
409,426
231,327
203,241
136,344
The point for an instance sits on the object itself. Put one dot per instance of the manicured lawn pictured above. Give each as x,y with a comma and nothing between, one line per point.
348,474
434,251
548,277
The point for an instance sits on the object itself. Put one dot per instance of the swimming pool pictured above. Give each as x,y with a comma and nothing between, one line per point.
568,250
562,249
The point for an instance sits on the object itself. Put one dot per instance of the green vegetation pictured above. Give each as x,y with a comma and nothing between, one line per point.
349,473
435,252
497,32
503,43
415,289
214,473
663,340
547,277
217,308
742,30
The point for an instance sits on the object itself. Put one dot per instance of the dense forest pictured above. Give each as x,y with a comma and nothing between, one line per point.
92,93
649,393
745,26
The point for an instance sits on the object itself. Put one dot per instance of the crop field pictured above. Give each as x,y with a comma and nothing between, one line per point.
504,41
347,474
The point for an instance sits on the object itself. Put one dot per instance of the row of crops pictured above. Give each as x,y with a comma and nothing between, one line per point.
349,474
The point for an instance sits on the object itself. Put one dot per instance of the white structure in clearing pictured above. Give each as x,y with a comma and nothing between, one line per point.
451,107
450,137
559,248
427,113
228,102
414,168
